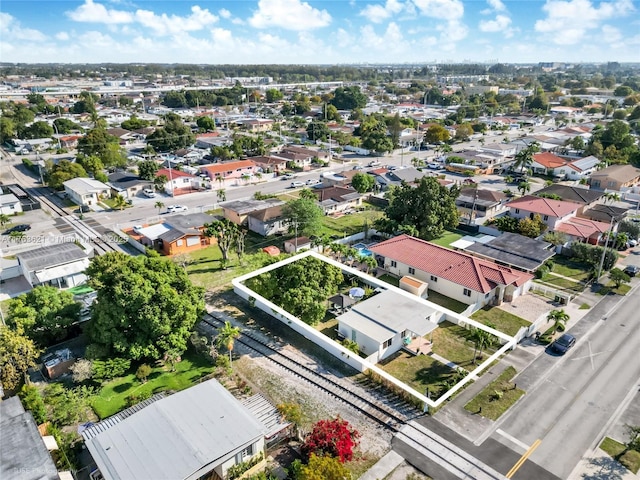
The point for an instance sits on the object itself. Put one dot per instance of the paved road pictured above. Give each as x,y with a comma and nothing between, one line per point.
570,399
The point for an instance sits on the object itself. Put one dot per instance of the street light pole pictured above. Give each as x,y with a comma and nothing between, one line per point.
604,251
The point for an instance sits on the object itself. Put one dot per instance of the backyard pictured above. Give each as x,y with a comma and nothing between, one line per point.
503,321
448,238
454,343
112,396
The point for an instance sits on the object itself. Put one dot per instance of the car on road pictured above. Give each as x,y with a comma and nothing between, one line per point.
288,176
176,208
374,163
297,184
434,166
563,344
23,227
312,181
632,270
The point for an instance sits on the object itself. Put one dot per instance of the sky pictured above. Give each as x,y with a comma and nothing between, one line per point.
319,31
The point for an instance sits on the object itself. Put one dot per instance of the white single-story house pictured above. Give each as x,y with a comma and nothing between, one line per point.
200,432
86,191
60,265
384,323
10,204
457,275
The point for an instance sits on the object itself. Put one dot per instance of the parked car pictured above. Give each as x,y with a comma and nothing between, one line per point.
563,344
374,163
312,181
632,243
297,184
176,208
148,192
288,176
23,227
434,166
632,270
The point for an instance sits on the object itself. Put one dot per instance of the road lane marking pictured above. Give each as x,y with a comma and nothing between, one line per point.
523,459
513,439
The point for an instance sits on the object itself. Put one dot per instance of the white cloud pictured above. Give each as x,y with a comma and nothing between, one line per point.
165,24
451,32
377,13
500,24
62,36
91,12
443,9
10,28
568,22
611,35
497,5
224,13
289,14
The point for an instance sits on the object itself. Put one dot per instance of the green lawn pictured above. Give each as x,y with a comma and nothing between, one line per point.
328,326
567,268
420,372
504,321
560,283
491,405
448,238
618,451
451,342
611,288
112,396
447,302
612,447
350,224
390,279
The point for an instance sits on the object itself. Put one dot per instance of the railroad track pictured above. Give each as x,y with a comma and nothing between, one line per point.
100,243
392,413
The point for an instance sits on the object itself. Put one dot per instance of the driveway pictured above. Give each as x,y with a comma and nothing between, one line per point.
529,306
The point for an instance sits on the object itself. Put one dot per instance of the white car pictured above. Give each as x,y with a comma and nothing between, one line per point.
312,181
434,166
149,193
176,208
297,184
288,176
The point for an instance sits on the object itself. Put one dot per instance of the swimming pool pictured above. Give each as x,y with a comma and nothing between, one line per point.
363,250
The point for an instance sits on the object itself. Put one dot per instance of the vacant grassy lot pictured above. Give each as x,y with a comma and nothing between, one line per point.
112,397
420,372
448,238
566,267
497,397
447,302
504,321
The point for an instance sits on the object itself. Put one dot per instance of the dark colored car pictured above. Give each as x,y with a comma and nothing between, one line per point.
564,343
18,228
632,270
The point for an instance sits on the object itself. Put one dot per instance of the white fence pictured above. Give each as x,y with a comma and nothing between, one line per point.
347,356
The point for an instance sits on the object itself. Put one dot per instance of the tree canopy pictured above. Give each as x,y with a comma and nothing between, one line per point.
146,306
363,182
103,145
301,287
173,136
429,208
348,98
62,171
147,170
44,314
305,213
17,353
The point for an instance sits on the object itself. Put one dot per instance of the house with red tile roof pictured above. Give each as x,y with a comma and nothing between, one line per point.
457,275
551,211
227,170
583,230
546,163
178,180
270,164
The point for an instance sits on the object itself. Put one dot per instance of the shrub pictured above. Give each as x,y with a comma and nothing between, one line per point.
95,351
32,401
143,372
112,368
137,397
82,370
335,438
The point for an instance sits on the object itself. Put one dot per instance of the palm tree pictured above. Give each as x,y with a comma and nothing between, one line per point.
559,319
159,205
370,263
611,197
4,219
222,195
227,336
482,340
524,187
119,202
524,158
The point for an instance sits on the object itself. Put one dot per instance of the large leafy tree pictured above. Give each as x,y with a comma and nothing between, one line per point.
103,145
301,287
373,135
430,208
436,134
17,353
317,131
304,214
146,306
44,314
147,169
335,438
62,171
36,130
363,182
226,234
348,98
173,136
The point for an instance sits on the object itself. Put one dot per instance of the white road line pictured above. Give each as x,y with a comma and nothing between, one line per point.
591,355
513,439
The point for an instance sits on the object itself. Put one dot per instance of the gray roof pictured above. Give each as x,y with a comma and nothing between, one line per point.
514,250
8,199
387,313
266,414
570,193
23,454
126,180
51,256
603,213
408,175
182,436
190,220
243,207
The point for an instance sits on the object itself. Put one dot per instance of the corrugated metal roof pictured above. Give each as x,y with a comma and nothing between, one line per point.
177,436
264,411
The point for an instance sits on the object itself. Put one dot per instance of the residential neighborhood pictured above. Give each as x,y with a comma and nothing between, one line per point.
207,278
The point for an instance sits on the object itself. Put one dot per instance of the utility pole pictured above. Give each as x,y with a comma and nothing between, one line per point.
604,251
